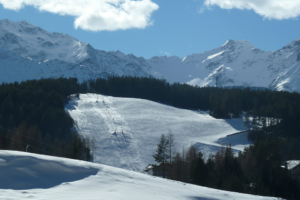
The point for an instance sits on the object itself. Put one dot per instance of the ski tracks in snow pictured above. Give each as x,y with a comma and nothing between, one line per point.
124,143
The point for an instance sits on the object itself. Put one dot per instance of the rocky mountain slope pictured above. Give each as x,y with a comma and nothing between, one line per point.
27,52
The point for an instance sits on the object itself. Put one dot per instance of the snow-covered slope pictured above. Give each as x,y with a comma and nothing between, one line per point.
288,80
142,123
16,68
35,177
236,63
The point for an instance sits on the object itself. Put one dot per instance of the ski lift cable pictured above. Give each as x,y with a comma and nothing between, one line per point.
21,142
38,141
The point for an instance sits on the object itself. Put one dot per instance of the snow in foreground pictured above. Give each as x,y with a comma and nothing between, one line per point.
143,122
31,176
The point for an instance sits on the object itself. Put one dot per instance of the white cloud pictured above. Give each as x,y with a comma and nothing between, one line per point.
95,15
165,53
271,9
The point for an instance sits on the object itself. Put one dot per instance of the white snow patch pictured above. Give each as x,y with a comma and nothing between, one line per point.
225,43
197,82
292,163
289,55
215,55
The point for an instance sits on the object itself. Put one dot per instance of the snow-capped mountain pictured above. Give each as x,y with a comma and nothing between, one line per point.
32,44
236,63
27,52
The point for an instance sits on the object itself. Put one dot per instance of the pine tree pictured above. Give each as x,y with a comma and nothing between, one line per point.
161,154
171,151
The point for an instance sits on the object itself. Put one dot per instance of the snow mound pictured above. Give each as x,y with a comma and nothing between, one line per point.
26,171
99,182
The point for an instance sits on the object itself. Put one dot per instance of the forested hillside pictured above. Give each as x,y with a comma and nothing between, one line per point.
37,106
32,113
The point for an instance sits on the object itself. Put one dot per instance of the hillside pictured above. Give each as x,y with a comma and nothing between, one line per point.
143,122
32,176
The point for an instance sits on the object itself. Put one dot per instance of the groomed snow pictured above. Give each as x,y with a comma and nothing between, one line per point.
143,122
97,182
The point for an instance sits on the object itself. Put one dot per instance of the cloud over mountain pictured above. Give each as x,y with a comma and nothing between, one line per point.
95,15
271,9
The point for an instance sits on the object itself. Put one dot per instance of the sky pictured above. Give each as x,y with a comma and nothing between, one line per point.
150,28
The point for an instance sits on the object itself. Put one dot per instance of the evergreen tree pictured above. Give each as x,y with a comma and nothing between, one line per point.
199,170
161,154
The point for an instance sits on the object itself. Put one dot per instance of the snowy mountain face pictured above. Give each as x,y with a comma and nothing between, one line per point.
30,43
236,63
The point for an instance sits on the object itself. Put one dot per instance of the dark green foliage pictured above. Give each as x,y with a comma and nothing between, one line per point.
199,171
161,154
258,170
32,113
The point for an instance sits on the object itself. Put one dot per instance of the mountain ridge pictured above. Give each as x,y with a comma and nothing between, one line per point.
235,63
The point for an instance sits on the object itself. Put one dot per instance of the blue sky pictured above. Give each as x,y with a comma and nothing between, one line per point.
169,27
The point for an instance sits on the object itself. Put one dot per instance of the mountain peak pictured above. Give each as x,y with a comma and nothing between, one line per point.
5,22
230,43
24,22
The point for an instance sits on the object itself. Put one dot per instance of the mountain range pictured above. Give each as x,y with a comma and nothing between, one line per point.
29,52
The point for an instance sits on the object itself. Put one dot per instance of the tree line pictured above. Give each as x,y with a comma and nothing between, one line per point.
222,103
258,170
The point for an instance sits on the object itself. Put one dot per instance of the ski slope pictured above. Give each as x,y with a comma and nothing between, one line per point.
36,177
142,122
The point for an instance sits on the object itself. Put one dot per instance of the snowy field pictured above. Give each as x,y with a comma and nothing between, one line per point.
142,123
40,177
